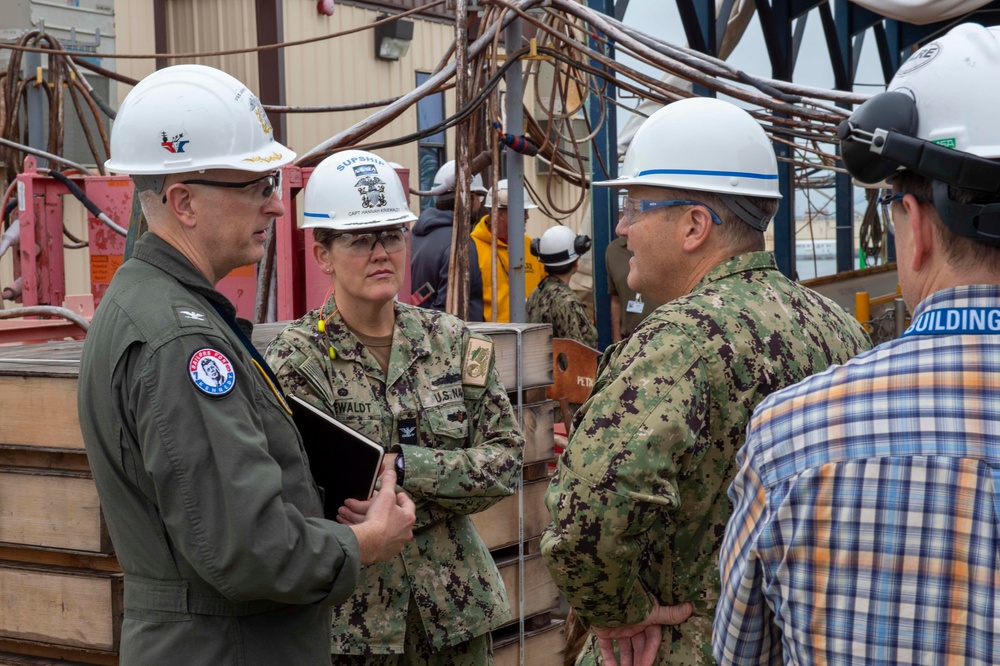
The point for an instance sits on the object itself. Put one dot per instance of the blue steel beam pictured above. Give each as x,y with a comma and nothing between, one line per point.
603,166
776,24
842,58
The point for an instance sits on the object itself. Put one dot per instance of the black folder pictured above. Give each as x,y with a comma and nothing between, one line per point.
344,462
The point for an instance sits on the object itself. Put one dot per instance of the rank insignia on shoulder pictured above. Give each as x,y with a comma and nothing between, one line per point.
212,372
476,365
187,316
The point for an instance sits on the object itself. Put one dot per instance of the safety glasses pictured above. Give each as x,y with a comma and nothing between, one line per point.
633,208
272,180
885,206
363,244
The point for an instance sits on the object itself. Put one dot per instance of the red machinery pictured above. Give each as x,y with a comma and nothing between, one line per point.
40,265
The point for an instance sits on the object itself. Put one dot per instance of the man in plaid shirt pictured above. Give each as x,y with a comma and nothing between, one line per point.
864,528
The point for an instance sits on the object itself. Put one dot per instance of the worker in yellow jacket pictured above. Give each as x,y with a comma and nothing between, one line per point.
482,236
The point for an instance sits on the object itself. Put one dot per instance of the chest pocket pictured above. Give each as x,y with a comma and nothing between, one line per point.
446,426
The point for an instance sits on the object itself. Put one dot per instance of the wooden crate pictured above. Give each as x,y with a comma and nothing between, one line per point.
28,654
542,646
40,411
540,591
498,525
56,605
51,509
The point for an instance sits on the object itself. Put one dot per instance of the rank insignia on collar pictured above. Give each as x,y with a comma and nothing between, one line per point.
211,372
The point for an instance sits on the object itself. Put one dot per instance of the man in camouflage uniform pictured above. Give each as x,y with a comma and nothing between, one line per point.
554,301
427,389
638,502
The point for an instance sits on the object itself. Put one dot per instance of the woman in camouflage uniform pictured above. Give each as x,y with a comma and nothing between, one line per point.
419,382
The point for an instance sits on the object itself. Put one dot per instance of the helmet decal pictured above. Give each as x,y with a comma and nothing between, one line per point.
919,59
372,191
263,158
172,140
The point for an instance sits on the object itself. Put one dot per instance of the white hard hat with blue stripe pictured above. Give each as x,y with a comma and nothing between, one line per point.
701,144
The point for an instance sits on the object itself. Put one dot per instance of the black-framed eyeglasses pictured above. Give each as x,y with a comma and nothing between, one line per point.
272,179
885,206
362,244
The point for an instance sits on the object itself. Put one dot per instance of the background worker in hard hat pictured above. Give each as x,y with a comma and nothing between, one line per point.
638,501
865,508
212,510
431,245
554,302
482,234
421,383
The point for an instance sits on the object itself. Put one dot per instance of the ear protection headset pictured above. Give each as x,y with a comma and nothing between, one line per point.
880,137
558,257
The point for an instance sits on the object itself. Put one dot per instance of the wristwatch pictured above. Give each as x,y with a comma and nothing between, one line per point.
400,469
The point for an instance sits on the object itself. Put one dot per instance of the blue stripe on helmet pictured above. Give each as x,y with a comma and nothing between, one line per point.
316,215
697,172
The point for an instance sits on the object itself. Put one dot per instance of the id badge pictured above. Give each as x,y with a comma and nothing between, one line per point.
635,306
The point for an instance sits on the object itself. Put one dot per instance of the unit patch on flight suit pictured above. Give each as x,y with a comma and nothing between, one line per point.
212,372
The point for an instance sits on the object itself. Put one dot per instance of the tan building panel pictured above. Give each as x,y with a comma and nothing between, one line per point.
198,26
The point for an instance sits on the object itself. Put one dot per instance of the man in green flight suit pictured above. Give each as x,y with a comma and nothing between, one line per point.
201,473
638,501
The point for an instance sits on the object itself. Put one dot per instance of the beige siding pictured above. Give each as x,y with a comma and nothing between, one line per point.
135,33
344,70
198,26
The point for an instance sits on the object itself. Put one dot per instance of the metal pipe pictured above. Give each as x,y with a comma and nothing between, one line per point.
515,181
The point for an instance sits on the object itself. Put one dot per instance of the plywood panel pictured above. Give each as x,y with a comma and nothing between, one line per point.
60,606
498,525
540,591
51,510
39,411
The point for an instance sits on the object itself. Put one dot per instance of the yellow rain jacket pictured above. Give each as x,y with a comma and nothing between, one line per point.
533,271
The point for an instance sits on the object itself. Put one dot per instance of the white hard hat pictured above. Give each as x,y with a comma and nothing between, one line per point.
936,120
559,246
192,118
501,188
447,173
702,144
952,80
354,189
